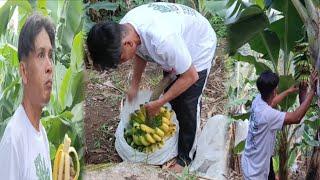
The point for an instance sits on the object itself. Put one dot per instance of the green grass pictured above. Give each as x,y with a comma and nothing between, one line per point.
218,25
186,174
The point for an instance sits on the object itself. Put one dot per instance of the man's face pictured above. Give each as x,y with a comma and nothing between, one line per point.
37,70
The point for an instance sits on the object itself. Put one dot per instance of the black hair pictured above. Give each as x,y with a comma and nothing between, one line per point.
267,83
104,44
31,28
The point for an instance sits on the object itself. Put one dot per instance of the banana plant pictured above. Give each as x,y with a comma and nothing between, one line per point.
207,7
309,12
267,28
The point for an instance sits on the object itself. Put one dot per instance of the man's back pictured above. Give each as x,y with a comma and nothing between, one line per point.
264,121
160,25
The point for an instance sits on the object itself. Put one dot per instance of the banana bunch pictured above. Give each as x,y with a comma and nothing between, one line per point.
303,67
63,168
149,135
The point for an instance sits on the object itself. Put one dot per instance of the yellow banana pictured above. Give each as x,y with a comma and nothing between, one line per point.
171,114
167,114
162,110
159,132
160,144
57,160
147,149
164,127
136,140
63,161
173,129
136,119
140,115
153,148
156,137
146,129
143,141
149,138
143,110
165,120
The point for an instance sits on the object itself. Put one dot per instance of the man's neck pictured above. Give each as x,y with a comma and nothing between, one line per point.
33,112
268,101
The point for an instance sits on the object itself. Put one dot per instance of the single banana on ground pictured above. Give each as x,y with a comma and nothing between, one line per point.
63,162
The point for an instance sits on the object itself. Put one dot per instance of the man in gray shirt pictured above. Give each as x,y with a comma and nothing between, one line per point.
265,121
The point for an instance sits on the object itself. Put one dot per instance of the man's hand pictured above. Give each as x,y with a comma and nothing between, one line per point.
153,108
292,89
278,98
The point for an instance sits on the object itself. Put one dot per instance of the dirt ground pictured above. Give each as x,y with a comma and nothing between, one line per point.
106,90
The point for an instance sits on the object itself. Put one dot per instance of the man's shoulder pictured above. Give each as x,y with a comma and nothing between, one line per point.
14,129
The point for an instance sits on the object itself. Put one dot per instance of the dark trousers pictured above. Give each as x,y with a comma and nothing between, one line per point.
186,107
271,176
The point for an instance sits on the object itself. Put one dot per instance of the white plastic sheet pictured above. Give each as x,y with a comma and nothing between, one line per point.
212,149
241,131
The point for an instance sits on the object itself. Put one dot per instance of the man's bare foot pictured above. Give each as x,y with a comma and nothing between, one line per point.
177,168
173,166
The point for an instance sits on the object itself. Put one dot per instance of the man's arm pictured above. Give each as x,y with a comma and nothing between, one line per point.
276,100
182,84
296,116
185,80
138,68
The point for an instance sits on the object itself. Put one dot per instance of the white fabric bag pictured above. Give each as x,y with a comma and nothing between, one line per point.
127,153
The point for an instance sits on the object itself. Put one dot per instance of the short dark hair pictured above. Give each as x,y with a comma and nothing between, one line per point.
104,44
31,28
267,83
